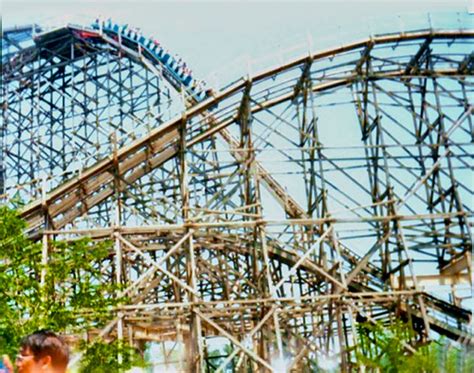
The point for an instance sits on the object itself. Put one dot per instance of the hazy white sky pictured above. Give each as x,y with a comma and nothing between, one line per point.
223,35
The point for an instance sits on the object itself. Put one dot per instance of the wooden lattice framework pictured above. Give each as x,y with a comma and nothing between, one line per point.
276,213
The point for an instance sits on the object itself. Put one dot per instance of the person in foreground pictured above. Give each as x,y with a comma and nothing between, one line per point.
6,365
43,352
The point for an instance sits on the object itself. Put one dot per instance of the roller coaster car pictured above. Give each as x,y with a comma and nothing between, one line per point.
53,39
133,40
187,80
204,95
83,34
209,93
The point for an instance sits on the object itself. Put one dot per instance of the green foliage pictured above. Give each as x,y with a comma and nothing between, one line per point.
101,357
454,358
72,298
19,287
216,358
16,202
383,349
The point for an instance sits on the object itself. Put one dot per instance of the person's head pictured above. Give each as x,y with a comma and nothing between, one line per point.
43,351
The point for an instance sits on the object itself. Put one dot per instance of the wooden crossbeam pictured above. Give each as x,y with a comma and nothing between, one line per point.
432,280
457,265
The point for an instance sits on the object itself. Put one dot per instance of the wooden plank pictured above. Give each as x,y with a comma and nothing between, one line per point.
457,265
433,280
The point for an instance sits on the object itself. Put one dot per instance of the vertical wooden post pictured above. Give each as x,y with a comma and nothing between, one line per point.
45,240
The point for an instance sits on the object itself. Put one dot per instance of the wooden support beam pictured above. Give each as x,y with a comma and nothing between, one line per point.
226,334
159,267
432,280
420,57
457,264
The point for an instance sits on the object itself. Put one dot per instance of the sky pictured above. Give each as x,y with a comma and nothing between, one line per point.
223,40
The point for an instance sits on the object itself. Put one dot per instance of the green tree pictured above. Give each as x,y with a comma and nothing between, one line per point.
101,357
383,348
72,297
